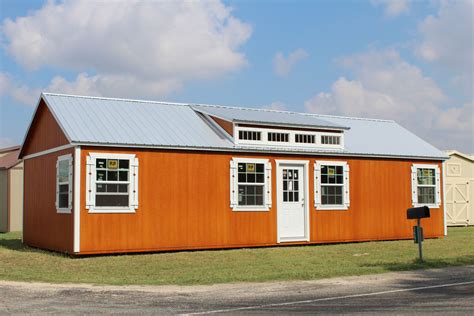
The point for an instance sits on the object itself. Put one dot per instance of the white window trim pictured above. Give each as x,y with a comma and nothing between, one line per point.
91,187
345,188
64,210
291,137
267,188
414,185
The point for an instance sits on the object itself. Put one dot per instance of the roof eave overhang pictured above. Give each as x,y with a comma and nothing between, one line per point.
260,151
460,154
341,128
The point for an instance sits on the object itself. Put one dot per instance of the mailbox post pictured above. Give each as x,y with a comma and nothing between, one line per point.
418,213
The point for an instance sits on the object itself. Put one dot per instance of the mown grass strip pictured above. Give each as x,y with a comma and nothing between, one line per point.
21,263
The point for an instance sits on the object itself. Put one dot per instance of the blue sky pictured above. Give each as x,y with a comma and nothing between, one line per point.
402,60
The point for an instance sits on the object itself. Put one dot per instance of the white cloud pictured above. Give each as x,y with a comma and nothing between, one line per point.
282,66
386,86
113,85
447,40
393,8
277,105
18,92
129,48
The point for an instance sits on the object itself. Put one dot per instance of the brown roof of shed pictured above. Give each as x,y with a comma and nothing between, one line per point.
10,160
7,149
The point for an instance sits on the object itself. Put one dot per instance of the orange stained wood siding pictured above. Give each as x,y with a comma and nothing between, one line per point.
226,125
184,204
43,227
44,133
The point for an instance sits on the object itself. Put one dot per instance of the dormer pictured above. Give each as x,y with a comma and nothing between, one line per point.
278,129
267,135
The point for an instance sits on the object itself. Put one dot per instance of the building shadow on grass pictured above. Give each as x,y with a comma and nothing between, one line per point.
427,264
14,243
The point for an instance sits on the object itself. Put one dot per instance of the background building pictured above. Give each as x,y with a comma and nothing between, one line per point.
11,190
459,169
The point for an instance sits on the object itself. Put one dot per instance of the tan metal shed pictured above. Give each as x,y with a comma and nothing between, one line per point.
459,188
11,190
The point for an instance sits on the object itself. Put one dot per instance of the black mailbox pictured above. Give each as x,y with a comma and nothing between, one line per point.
418,212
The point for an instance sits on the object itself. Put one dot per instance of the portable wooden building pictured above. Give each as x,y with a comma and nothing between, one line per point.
11,190
109,175
459,188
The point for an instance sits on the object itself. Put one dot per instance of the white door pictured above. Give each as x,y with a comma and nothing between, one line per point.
457,201
292,210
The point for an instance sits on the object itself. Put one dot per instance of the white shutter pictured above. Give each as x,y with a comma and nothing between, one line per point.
347,200
70,183
268,184
57,185
438,186
233,184
90,168
134,182
414,194
317,187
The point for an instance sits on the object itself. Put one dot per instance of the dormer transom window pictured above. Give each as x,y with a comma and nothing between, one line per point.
305,139
330,140
278,137
289,137
250,135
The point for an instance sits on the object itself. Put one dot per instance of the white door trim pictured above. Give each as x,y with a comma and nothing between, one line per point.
279,195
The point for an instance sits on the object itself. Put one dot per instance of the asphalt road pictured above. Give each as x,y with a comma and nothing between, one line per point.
442,291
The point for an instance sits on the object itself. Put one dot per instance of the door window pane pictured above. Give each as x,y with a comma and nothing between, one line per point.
290,185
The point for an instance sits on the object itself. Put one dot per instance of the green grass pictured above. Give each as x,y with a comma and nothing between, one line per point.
21,263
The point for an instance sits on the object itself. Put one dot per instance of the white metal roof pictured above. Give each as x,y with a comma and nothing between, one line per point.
135,123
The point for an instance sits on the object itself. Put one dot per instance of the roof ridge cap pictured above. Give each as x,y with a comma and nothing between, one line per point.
216,106
114,99
352,117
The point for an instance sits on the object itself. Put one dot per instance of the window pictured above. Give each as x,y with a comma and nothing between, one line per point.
330,140
425,185
331,185
250,135
291,189
278,137
112,181
250,184
305,139
64,184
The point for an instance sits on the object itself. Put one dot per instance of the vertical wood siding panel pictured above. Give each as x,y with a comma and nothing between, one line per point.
44,132
43,226
184,203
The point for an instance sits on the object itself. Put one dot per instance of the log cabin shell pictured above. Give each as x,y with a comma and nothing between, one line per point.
109,175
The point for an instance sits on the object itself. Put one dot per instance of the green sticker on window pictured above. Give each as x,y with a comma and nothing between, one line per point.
112,164
331,171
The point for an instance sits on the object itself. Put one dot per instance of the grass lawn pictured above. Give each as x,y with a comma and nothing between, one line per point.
21,263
